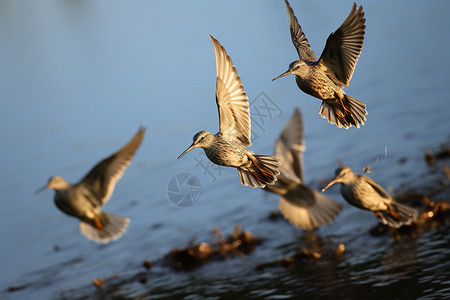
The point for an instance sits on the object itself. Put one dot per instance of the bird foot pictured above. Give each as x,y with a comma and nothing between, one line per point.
98,224
340,116
394,215
346,111
262,171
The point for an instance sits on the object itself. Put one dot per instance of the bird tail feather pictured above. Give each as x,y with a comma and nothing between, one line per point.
402,215
264,170
333,111
113,227
307,214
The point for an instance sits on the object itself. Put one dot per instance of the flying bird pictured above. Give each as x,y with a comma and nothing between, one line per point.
85,199
363,192
325,77
228,147
299,204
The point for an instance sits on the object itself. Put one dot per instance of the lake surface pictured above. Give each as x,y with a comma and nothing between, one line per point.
79,77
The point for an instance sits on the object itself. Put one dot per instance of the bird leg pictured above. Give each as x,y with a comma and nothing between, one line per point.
340,116
394,215
346,111
98,224
256,175
265,173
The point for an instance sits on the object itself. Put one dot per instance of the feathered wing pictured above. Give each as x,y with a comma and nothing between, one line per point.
289,147
376,187
232,100
343,47
299,204
404,214
298,37
103,177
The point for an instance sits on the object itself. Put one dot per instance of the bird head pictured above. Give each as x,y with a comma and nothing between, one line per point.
55,182
201,139
343,175
295,68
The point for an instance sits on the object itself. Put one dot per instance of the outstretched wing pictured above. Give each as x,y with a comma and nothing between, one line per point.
343,47
289,147
103,177
232,100
298,37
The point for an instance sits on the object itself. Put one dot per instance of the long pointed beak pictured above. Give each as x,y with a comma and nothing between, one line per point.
330,184
41,189
187,150
284,74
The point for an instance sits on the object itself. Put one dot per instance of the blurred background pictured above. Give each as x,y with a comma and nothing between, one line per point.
79,77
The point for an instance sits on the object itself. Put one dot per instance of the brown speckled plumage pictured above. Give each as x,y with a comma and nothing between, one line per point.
325,77
225,152
363,192
228,146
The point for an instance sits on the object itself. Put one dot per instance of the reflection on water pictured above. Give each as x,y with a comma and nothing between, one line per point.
79,77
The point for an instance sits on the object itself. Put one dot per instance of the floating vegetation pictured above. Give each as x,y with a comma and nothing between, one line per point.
239,244
302,256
